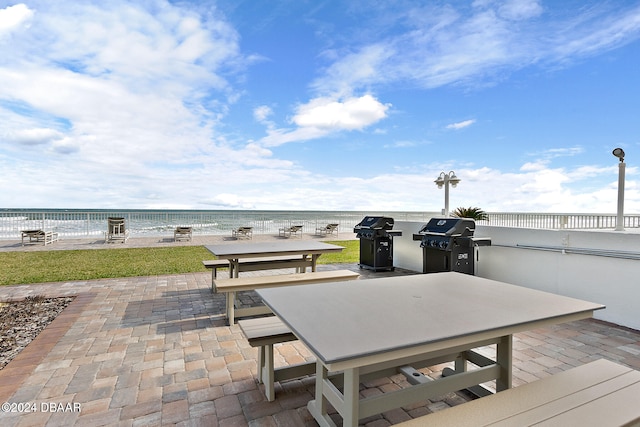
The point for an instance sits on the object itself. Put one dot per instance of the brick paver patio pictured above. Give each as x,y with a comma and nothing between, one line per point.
156,351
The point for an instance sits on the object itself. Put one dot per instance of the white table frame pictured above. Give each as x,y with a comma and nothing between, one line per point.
343,394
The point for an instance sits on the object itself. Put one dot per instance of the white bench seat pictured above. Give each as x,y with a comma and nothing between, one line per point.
214,265
258,282
257,264
600,393
231,286
263,333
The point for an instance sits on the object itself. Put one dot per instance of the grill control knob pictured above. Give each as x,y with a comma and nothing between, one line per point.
442,245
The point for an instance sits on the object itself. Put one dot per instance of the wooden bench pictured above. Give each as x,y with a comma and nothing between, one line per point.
256,264
39,236
263,333
287,231
231,286
600,393
182,233
242,232
327,230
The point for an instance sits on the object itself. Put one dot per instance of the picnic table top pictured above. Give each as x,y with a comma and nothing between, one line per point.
426,311
258,249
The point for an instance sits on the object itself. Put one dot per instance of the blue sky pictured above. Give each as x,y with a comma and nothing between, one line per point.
337,105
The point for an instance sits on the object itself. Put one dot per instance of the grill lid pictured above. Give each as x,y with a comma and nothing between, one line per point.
459,227
442,233
374,223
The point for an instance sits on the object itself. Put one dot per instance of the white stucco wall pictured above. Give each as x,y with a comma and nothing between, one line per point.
406,252
607,280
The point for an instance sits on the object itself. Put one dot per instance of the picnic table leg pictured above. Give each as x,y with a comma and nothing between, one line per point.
505,361
231,299
318,406
234,268
351,397
267,372
460,364
261,363
302,269
314,261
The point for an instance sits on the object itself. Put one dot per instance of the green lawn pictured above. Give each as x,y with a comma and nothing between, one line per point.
61,266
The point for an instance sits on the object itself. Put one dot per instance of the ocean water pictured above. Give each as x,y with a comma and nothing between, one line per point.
92,222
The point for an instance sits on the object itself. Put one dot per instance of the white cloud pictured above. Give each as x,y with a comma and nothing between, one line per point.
439,46
132,95
593,32
35,136
586,172
545,190
228,201
401,144
277,137
347,114
323,116
65,146
534,166
442,50
539,189
262,113
123,74
520,9
100,97
355,69
460,125
13,17
561,152
544,158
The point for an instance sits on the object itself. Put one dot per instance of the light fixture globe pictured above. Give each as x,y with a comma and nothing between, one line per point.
619,153
453,179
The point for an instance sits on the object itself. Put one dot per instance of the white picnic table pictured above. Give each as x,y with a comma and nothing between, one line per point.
370,328
236,251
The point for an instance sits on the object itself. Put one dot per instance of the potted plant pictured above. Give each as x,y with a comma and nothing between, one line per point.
473,213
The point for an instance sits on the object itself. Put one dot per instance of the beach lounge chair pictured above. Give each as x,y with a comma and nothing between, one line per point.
116,230
182,233
242,232
39,236
288,231
329,229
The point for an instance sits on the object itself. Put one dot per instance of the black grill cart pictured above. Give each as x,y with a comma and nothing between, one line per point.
448,244
376,242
